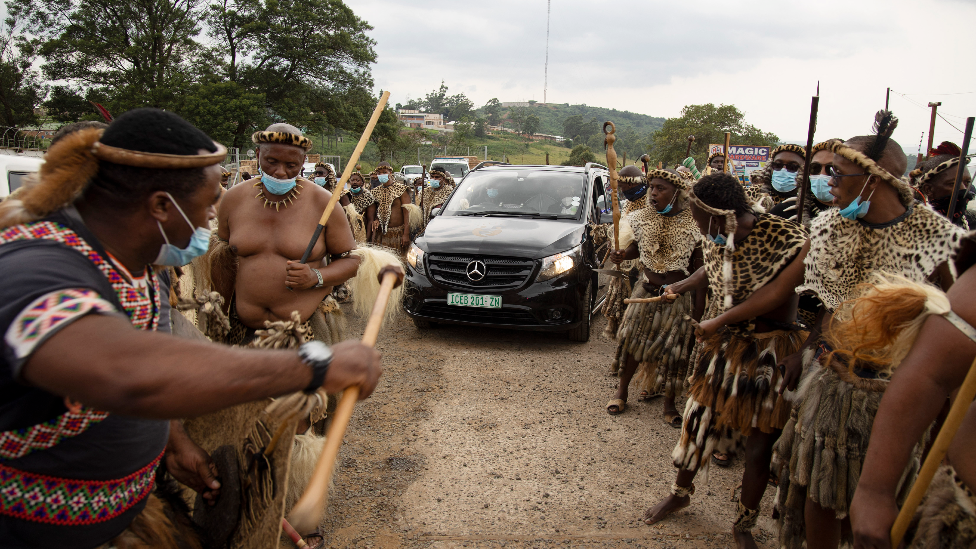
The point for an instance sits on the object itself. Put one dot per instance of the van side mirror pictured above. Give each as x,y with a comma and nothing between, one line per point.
435,212
606,217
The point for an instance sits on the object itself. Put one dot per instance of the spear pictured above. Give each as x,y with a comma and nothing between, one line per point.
346,173
612,166
811,129
962,165
725,153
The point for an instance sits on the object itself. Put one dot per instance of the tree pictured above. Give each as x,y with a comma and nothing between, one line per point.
708,124
579,156
458,107
480,127
493,111
218,108
21,90
531,124
67,105
137,51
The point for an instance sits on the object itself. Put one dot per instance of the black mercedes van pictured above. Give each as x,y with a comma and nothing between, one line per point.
512,248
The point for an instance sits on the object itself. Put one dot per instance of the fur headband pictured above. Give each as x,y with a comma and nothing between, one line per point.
282,138
919,176
632,180
671,177
788,147
731,225
72,162
824,145
323,165
713,155
872,168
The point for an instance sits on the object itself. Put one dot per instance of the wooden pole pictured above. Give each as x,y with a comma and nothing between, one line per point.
887,97
305,514
938,451
725,153
666,297
935,107
962,165
346,173
608,141
691,139
811,129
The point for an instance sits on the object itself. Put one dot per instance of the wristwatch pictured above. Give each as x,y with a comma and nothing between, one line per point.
318,274
318,356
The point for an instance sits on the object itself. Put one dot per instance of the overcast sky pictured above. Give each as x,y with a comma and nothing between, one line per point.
654,57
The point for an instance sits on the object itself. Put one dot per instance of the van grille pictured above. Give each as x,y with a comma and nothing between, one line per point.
500,274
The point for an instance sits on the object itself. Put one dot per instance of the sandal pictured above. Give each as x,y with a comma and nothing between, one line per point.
724,461
645,395
673,419
315,540
616,406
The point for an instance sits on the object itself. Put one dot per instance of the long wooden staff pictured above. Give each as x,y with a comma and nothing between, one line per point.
612,166
962,165
346,173
938,451
691,139
305,514
811,129
725,153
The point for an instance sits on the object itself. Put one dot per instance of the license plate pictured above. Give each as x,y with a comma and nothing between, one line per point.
475,300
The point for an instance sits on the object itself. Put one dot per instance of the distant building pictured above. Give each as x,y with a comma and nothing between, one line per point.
416,119
510,104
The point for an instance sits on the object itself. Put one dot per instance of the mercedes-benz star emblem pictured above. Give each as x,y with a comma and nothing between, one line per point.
476,270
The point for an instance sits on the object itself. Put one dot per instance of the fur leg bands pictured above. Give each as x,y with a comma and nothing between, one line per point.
681,491
746,518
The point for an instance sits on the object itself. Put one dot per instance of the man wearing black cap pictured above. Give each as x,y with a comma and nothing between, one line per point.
87,387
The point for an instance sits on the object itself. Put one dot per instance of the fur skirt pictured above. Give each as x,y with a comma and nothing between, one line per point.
659,335
822,448
947,516
734,389
392,239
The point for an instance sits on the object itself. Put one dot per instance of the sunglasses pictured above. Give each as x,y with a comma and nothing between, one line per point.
834,174
816,168
791,167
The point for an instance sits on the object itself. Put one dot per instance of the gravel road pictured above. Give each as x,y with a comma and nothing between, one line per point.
495,438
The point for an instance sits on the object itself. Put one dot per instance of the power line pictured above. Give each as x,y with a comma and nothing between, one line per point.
927,94
937,113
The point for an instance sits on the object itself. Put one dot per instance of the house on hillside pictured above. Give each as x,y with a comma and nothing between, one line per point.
428,121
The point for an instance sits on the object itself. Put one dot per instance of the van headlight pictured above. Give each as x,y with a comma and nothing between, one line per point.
558,264
415,257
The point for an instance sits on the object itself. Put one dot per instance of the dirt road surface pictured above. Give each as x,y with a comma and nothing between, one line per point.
490,438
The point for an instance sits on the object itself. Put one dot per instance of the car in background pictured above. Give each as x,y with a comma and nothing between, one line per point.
14,171
511,248
411,173
457,167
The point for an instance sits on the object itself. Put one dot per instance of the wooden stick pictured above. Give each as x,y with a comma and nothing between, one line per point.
691,139
346,173
962,165
612,166
306,513
938,451
811,129
725,153
665,297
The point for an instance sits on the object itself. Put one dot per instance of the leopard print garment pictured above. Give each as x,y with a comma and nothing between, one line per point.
665,242
755,194
361,201
431,198
845,253
771,245
385,197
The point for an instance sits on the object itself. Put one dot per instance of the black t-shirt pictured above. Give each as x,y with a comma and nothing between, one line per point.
46,286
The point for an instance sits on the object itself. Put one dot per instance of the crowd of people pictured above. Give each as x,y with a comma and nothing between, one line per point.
784,323
781,316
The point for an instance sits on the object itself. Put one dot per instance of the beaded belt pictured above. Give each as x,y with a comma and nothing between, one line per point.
70,502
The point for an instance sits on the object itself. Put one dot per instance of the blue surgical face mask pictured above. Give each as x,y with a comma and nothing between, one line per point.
320,181
492,193
717,240
172,256
383,177
355,190
277,186
635,192
667,209
434,183
857,209
820,185
784,181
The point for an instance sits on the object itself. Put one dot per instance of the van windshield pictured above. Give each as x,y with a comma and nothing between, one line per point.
516,193
457,171
410,170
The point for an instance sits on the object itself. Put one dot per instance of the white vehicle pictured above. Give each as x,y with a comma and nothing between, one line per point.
15,169
412,172
308,170
457,167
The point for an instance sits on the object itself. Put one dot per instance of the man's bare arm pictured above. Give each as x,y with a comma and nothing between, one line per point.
936,366
155,375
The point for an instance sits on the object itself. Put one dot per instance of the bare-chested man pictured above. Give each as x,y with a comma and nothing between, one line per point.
391,228
267,222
